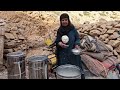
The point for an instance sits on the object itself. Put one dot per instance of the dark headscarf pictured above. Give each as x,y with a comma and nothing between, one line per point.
64,30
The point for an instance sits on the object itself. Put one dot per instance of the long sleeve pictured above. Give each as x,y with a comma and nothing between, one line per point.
58,39
77,38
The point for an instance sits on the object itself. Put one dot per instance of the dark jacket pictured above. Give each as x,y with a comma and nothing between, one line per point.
64,55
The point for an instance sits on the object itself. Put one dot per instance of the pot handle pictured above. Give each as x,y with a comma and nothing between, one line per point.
46,71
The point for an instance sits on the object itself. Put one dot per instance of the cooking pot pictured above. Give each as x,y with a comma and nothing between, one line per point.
68,71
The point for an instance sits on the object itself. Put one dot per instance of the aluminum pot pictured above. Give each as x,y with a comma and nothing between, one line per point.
68,71
38,67
16,65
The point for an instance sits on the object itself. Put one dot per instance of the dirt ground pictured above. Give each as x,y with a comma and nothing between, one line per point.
3,75
88,75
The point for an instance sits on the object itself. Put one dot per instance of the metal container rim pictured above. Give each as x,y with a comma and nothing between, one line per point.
18,53
67,65
37,58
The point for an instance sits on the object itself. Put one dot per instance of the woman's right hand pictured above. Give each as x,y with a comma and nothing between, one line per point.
63,45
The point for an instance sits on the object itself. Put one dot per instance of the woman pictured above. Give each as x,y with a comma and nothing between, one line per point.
64,54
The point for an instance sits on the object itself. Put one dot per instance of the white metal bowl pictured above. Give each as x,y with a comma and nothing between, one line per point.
76,51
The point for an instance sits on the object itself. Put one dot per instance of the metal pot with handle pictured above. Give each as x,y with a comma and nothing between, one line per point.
38,67
68,71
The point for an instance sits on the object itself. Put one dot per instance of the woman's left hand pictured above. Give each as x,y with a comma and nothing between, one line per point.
77,46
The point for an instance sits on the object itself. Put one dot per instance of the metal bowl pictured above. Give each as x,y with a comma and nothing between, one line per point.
76,51
68,71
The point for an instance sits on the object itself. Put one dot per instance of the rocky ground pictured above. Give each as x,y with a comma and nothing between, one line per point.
3,75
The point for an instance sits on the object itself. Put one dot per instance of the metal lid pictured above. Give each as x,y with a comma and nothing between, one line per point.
68,71
18,53
38,58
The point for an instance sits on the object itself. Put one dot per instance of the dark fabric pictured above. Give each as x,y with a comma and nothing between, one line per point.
64,55
65,30
64,15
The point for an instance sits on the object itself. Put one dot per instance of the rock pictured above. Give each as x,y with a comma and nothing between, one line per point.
106,41
2,20
14,29
110,31
19,41
110,47
115,23
108,27
111,37
86,32
100,29
118,57
6,40
114,36
7,30
114,43
14,34
102,20
82,35
21,37
9,36
81,30
103,37
86,22
103,31
6,51
118,38
118,49
2,24
2,69
95,32
16,40
2,31
88,27
103,26
118,21
23,46
85,28
94,27
17,20
110,23
16,49
116,29
10,44
115,52
117,26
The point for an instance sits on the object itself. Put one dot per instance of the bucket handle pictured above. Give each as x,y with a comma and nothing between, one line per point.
19,68
46,73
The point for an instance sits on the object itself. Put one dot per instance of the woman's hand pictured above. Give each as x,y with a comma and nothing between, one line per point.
77,46
63,45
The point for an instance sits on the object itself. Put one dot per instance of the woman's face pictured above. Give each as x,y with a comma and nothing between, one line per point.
64,22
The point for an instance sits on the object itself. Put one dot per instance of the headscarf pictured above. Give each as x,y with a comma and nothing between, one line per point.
64,30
